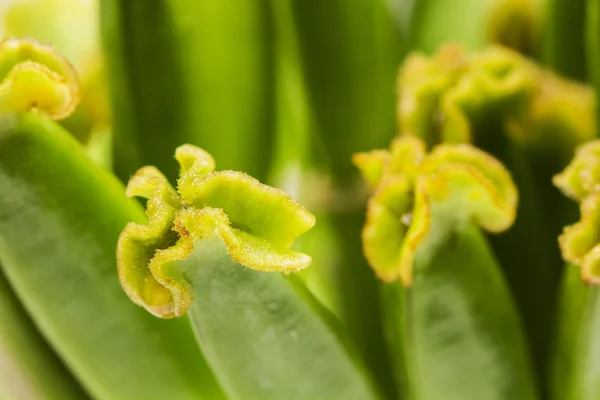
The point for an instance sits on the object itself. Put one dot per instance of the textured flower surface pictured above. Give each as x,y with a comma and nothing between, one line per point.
257,223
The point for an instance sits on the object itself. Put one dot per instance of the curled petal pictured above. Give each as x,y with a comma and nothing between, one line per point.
578,240
33,75
495,206
559,115
428,195
580,243
389,215
258,209
372,166
138,243
443,97
422,82
581,178
194,163
494,81
405,156
257,224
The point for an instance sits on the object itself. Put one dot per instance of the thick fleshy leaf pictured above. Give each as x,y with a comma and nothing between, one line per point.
59,223
575,367
580,243
453,183
282,343
216,249
531,121
257,222
456,329
422,230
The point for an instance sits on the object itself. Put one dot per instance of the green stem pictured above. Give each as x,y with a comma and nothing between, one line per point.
453,328
266,336
575,367
456,328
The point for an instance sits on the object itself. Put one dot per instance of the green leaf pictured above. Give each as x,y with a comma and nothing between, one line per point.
59,223
575,367
187,72
455,318
457,326
529,119
260,330
29,369
263,334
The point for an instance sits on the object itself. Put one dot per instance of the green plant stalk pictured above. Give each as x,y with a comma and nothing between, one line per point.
29,369
335,96
564,36
184,72
279,326
421,229
457,328
531,121
60,219
259,329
